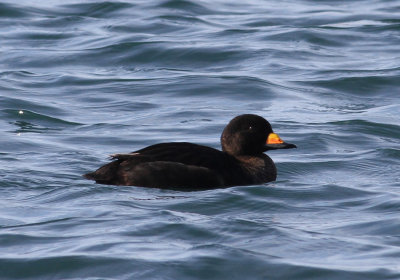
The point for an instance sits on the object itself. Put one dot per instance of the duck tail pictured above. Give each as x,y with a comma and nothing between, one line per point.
106,174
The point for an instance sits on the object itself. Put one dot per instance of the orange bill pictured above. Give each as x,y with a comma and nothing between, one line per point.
274,138
274,142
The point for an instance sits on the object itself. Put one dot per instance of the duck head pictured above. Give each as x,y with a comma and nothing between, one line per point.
250,135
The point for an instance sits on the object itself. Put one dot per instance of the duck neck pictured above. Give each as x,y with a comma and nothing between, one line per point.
260,167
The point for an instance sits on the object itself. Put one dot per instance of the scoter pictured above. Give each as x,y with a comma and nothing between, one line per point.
186,166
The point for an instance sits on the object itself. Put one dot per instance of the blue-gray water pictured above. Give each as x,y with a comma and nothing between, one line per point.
80,81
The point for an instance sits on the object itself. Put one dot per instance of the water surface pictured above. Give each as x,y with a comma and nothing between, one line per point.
79,81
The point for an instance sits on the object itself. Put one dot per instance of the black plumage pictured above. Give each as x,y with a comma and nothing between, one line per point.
187,166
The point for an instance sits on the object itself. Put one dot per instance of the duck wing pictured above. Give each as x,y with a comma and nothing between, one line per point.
186,153
180,152
171,164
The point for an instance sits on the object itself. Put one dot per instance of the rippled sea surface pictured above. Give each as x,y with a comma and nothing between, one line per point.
82,80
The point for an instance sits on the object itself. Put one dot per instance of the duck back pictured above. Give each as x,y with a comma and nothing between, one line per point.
173,165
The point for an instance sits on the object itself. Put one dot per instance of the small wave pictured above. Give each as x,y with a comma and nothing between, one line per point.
186,6
29,121
362,86
11,11
104,9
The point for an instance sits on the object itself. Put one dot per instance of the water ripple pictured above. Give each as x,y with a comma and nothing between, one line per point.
81,81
